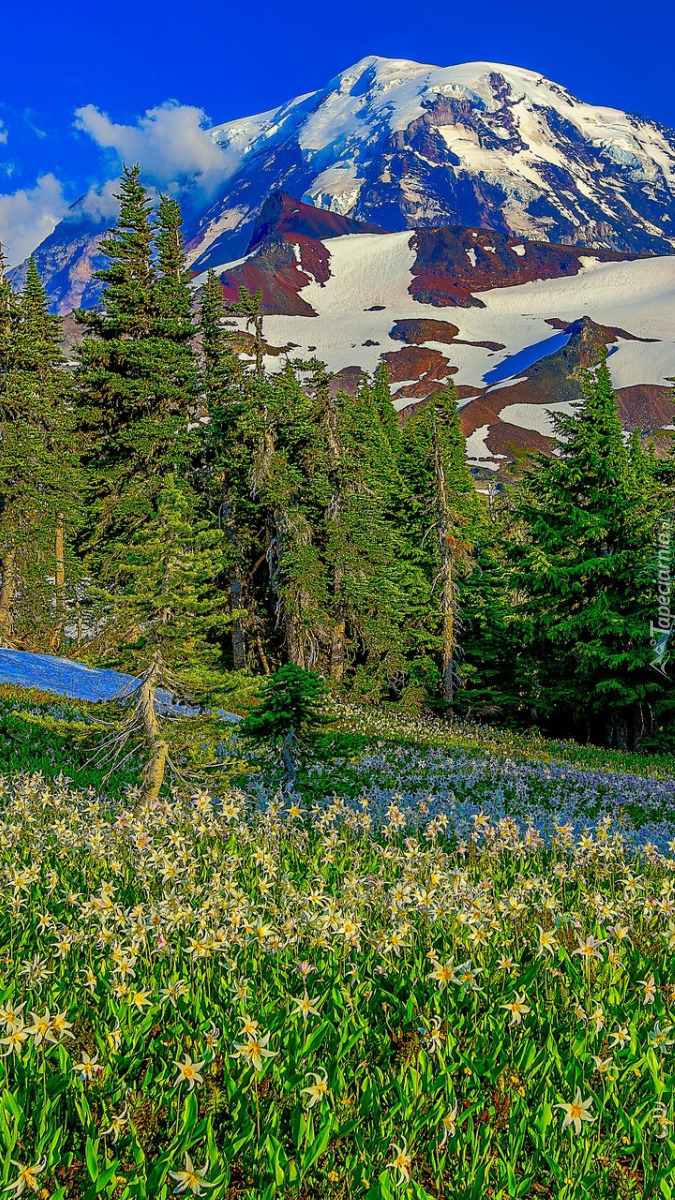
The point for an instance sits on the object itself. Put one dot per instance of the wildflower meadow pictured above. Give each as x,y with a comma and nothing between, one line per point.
448,981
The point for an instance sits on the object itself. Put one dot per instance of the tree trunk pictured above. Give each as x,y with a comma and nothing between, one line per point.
338,633
59,581
238,628
338,643
236,589
447,601
263,657
259,344
294,643
288,759
146,708
7,598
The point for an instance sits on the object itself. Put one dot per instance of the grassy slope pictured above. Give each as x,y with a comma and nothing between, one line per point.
53,735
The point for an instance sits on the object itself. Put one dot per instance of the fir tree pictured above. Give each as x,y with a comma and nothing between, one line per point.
444,517
290,713
249,306
589,572
165,624
39,471
138,375
227,454
362,549
284,480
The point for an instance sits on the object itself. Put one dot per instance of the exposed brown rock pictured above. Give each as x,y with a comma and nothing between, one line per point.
282,214
418,330
646,407
453,262
415,331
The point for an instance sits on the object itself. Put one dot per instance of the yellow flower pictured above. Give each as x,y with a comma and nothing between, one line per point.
305,1006
620,1036
191,1178
15,1039
255,1050
41,1029
26,1177
88,1067
443,973
140,1000
117,1123
188,1072
518,1008
249,1027
449,1123
547,942
401,1163
603,1066
649,989
10,1016
589,948
318,1090
576,1112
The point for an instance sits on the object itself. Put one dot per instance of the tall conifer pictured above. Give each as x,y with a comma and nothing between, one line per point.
589,572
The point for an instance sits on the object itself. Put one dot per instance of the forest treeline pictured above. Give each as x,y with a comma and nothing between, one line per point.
169,508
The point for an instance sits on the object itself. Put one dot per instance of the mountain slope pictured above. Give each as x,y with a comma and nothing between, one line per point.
525,316
403,146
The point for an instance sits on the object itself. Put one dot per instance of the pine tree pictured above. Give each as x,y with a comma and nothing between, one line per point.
443,519
227,454
8,556
589,572
165,624
284,480
290,713
496,668
356,443
138,375
249,305
39,471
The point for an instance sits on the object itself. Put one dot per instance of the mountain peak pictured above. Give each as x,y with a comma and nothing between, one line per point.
404,145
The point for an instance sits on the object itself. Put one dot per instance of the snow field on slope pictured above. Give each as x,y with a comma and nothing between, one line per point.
375,269
535,416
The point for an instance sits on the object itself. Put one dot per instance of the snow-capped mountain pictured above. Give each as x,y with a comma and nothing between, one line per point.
404,146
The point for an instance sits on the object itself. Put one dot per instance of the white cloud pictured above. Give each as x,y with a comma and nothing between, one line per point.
29,215
3,132
101,203
170,143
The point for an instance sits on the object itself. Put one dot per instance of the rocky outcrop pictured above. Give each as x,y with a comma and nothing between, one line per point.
281,214
452,264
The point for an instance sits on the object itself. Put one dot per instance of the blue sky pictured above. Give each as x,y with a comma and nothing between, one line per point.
119,61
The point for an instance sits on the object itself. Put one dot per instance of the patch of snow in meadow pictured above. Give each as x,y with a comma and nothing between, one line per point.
65,677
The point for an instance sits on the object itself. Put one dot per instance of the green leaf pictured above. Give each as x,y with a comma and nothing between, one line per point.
92,1159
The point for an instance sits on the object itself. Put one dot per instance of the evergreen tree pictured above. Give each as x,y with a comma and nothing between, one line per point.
443,519
291,711
165,624
589,572
39,471
285,481
138,374
249,305
228,457
356,444
496,667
